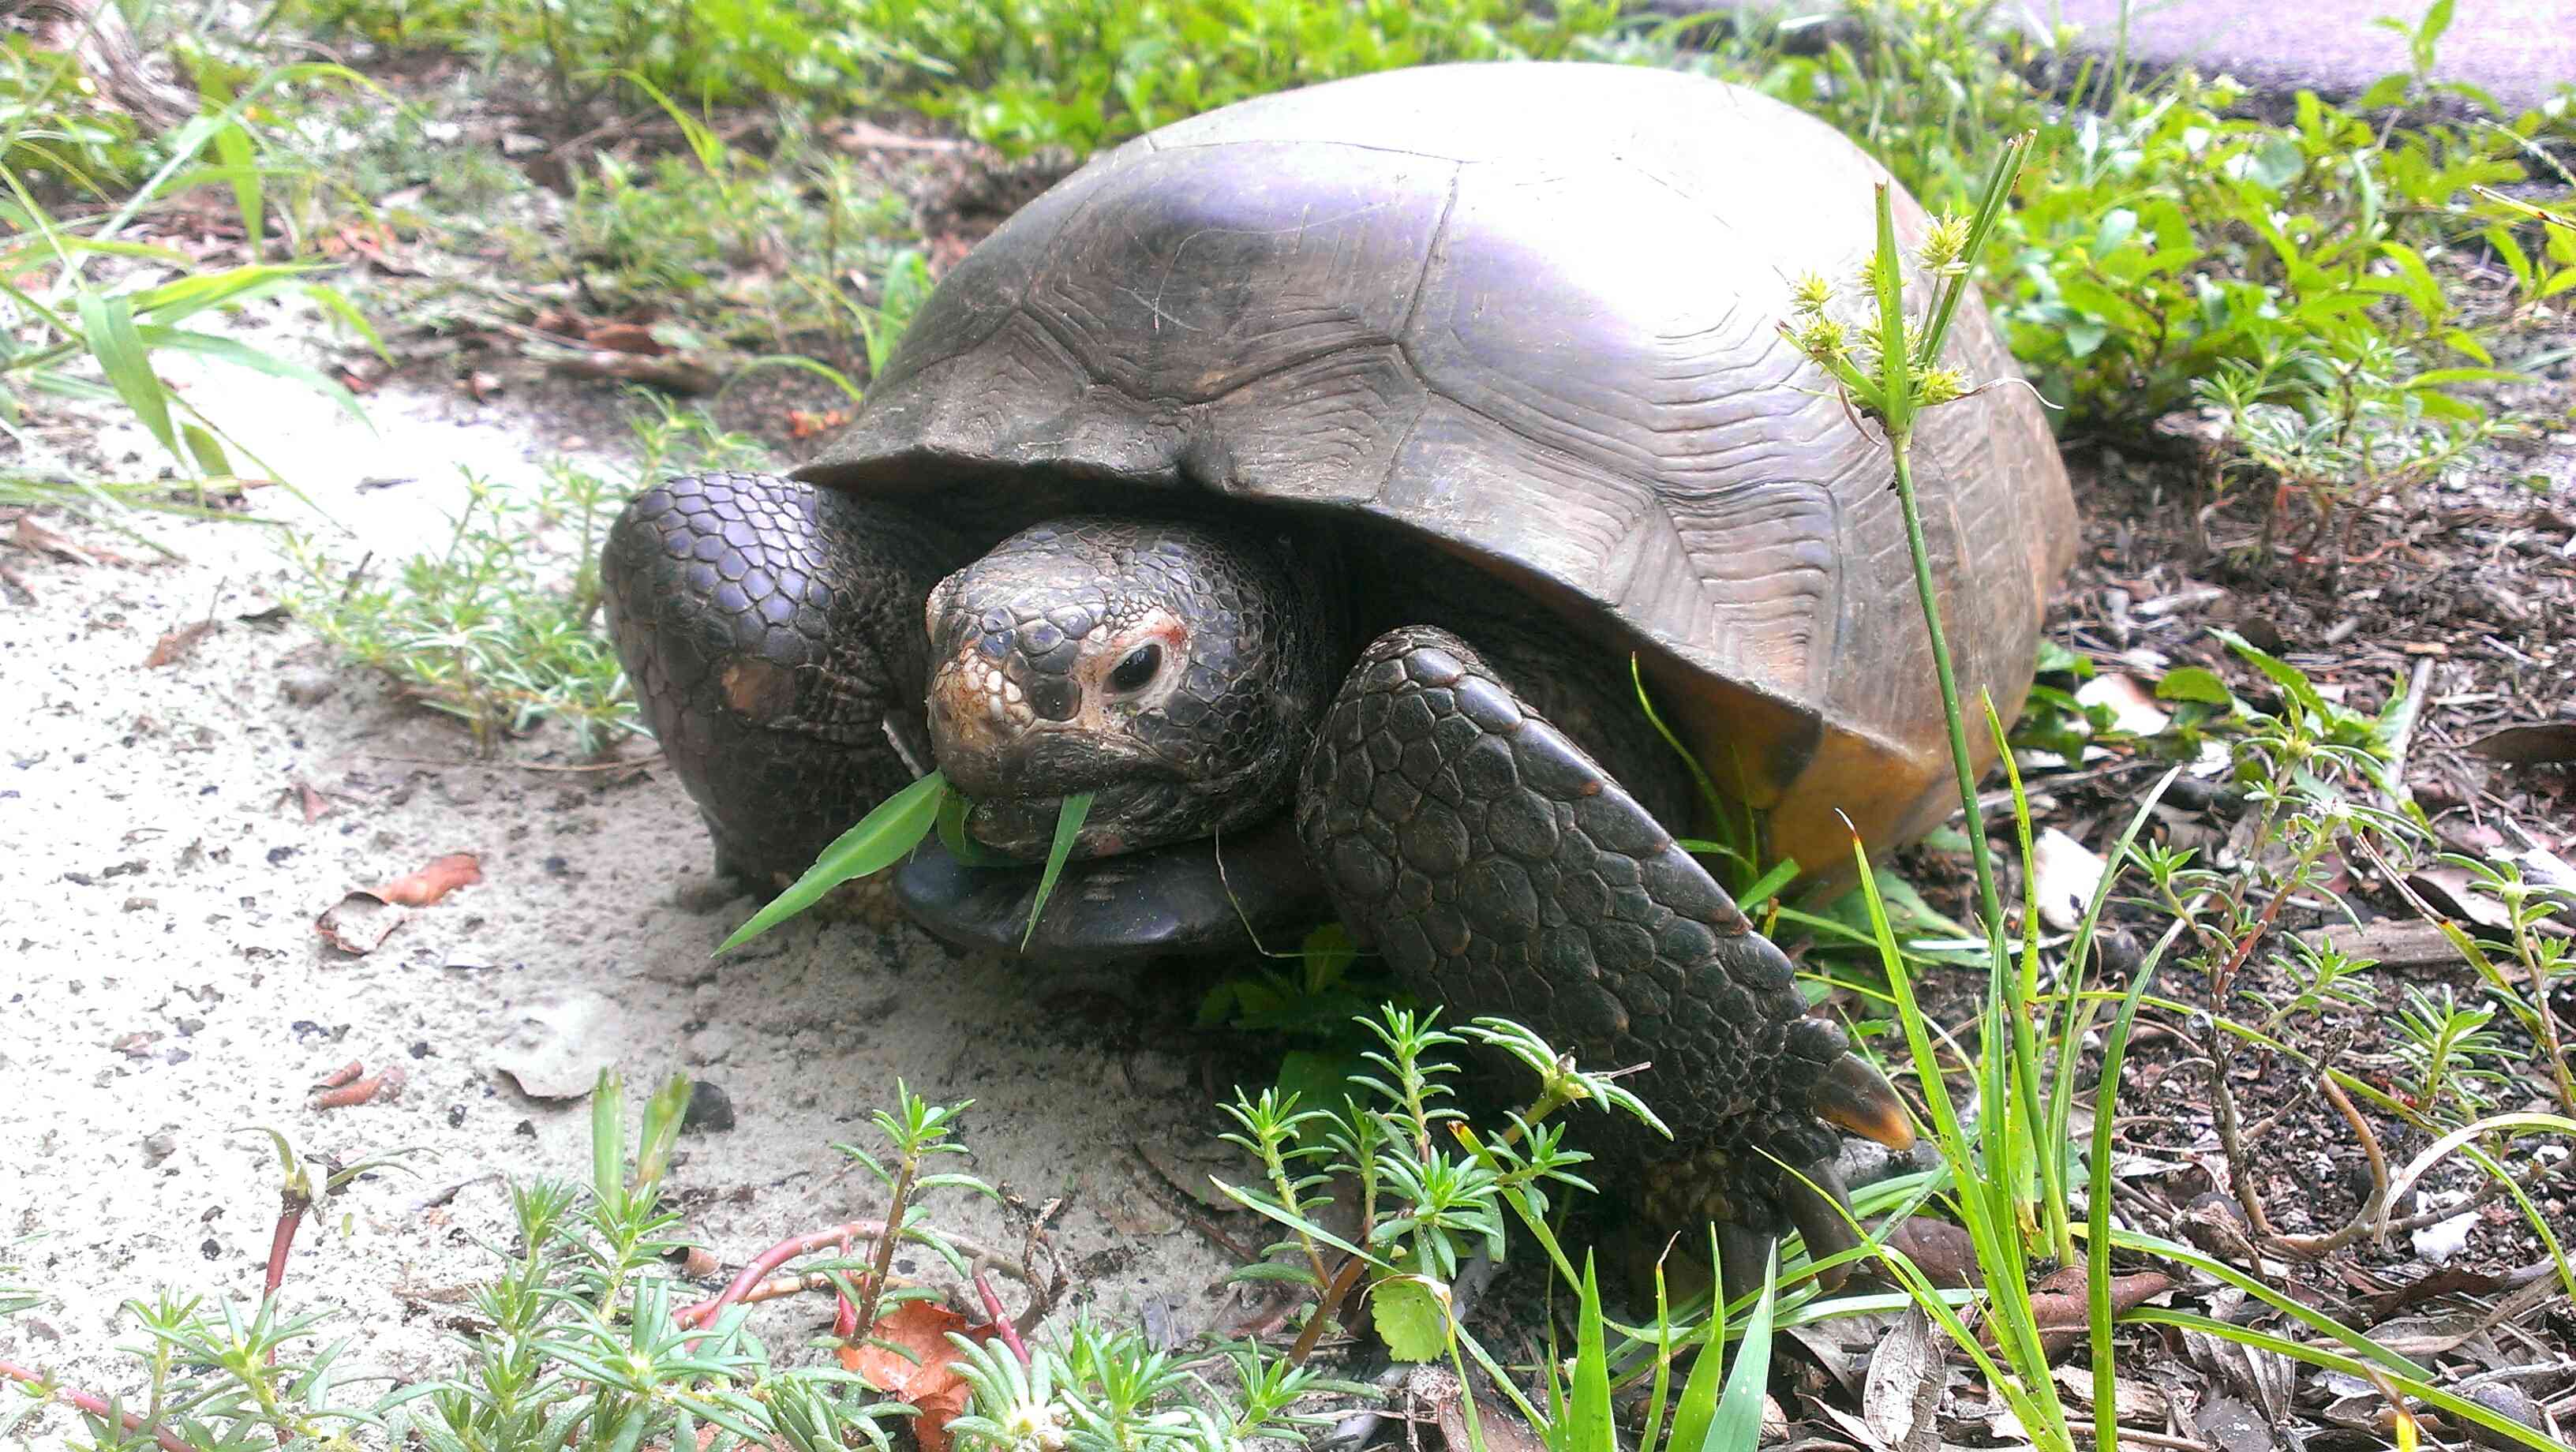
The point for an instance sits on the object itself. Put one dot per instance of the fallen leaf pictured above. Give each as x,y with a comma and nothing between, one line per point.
804,424
625,338
2455,893
2064,875
1942,1251
174,647
359,923
384,1083
1503,1430
37,539
314,805
2132,708
2232,1426
2540,743
2058,1305
1904,1386
437,880
928,1377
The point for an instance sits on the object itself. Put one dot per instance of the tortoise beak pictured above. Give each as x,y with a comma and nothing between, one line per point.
1855,1097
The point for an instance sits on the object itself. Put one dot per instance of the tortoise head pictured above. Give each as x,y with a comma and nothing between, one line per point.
1175,669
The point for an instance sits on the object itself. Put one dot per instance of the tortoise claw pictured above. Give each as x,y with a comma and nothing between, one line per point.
1820,1206
1854,1096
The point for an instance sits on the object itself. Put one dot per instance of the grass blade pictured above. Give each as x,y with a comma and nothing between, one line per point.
1738,1424
2097,1206
877,842
1591,1397
1068,828
1697,1410
107,324
952,834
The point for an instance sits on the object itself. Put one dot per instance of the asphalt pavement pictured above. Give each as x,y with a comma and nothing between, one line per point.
2520,51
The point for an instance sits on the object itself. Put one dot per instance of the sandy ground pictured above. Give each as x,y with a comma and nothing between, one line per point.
167,989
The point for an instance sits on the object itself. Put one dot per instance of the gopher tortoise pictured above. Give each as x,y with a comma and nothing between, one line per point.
1302,479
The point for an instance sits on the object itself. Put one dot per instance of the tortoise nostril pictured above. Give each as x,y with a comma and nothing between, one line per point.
1053,697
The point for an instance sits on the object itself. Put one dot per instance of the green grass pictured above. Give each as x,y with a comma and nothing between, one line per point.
1021,74
497,626
2007,1171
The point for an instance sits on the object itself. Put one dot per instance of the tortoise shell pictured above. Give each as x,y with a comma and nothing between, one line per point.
1525,313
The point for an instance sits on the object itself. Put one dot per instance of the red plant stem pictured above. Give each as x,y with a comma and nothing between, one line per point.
289,1217
771,1259
1001,1319
95,1406
845,1312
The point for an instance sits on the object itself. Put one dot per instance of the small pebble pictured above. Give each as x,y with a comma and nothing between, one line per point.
710,1110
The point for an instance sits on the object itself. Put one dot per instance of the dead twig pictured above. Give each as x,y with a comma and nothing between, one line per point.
2314,1247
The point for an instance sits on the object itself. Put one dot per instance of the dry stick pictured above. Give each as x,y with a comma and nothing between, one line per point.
2314,1247
2240,1177
95,1406
2151,1439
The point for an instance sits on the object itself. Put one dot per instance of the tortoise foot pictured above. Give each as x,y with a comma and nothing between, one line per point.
772,633
1502,871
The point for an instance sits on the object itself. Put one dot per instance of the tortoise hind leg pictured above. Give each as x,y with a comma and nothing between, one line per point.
1502,871
773,634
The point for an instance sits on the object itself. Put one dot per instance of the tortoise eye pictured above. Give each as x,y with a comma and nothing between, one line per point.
1137,670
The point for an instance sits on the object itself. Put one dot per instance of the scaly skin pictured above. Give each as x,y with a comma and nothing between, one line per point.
1230,652
1502,872
773,636
1183,671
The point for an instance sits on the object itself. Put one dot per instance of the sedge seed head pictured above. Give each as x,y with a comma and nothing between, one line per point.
1810,293
1823,339
1945,243
1939,385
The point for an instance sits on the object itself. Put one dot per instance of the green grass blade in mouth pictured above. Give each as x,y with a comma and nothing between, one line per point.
880,839
952,834
1068,827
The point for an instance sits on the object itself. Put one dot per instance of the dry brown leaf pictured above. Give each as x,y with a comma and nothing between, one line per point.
2456,893
1503,1429
928,1378
2539,743
625,338
359,923
2057,1304
384,1083
435,881
1904,1386
36,539
174,647
805,424
1941,1250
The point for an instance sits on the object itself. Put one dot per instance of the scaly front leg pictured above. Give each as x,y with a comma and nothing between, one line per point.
1502,871
773,633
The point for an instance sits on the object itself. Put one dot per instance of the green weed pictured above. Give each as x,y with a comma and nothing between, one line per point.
496,627
67,333
1021,74
2166,252
1026,74
2005,1151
